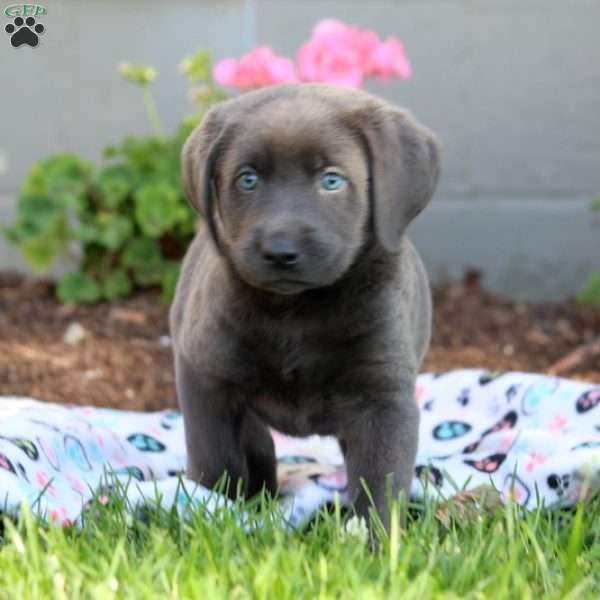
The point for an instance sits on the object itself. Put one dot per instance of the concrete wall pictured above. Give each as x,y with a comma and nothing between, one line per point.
512,87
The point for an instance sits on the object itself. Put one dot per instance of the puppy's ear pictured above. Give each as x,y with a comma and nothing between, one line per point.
195,158
198,161
404,161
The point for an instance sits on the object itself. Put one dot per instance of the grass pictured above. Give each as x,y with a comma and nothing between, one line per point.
504,553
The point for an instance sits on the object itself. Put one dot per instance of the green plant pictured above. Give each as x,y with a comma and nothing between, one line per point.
590,293
122,224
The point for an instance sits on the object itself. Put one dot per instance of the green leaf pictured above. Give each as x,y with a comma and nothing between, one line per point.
40,231
115,183
64,177
11,234
140,252
596,203
86,233
148,275
590,294
37,214
157,208
107,229
189,123
113,230
110,151
78,288
41,252
170,276
149,155
118,212
144,257
116,285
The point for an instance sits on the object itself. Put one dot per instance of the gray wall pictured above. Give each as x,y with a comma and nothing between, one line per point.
512,87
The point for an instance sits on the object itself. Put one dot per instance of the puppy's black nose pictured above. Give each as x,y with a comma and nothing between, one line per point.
280,252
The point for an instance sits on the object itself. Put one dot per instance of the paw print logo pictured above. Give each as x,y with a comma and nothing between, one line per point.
560,484
24,31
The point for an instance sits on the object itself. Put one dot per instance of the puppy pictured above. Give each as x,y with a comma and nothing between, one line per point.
301,304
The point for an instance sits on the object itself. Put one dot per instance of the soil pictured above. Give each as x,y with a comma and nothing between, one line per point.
121,357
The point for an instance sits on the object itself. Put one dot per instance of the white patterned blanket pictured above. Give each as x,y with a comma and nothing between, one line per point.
534,437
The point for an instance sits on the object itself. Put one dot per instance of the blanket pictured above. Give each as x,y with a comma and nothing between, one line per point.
535,438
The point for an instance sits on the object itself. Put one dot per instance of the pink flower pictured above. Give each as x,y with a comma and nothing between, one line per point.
224,71
344,54
361,41
258,68
337,53
322,61
329,27
389,58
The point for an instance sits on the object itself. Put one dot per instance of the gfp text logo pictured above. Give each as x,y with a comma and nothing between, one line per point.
25,10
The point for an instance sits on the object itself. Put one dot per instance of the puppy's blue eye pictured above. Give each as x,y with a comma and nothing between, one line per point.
332,181
248,181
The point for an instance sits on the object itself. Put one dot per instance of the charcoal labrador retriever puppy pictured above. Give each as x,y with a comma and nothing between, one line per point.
301,304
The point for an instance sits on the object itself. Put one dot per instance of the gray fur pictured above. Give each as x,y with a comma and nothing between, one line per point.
331,344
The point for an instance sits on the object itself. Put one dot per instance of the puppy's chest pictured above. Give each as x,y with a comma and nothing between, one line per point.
285,360
299,416
290,384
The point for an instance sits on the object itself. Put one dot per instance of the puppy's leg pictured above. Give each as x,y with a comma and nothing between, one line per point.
259,448
380,449
212,430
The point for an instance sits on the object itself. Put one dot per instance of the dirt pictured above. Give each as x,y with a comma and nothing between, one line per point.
117,354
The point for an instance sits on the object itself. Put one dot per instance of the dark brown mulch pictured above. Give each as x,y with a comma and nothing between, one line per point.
121,361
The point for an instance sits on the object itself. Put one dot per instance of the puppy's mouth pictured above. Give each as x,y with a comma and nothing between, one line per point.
287,286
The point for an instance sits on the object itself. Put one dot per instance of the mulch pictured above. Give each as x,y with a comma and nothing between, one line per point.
121,357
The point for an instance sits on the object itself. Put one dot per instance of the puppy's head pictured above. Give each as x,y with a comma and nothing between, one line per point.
293,181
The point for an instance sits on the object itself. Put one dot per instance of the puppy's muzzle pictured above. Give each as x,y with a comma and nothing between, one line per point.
287,257
281,252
